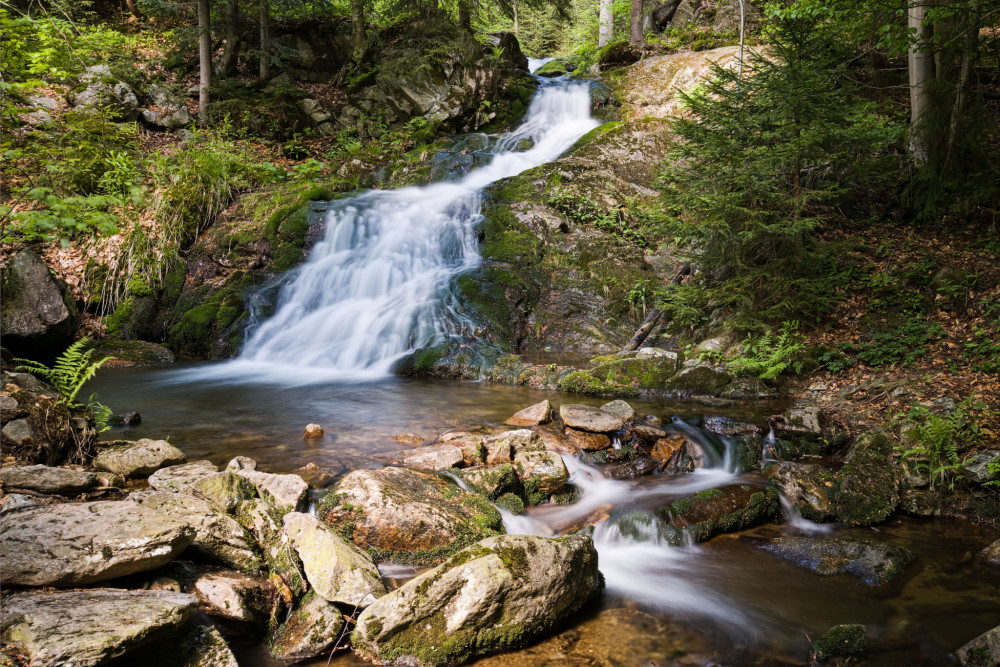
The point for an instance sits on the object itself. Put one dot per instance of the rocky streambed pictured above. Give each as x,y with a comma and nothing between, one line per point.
576,532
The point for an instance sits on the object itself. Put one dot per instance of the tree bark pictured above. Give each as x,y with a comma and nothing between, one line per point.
920,58
969,51
513,6
133,9
664,14
653,317
635,24
606,23
234,39
204,61
464,15
265,42
358,32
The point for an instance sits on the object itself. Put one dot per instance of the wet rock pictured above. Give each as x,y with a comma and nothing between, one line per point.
748,451
723,510
976,466
874,563
241,463
542,472
336,569
983,651
230,595
47,480
840,640
648,432
802,427
500,592
702,378
192,646
313,431
309,632
86,628
637,467
287,492
218,538
586,418
619,408
991,554
134,419
224,490
85,543
492,481
729,427
867,488
431,458
140,458
555,440
539,413
588,442
38,315
669,452
807,488
180,477
408,515
408,439
555,68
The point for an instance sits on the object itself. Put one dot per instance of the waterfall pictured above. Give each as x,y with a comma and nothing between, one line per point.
375,287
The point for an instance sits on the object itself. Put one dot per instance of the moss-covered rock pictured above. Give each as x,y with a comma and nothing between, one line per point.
875,563
723,510
554,68
840,640
132,353
866,490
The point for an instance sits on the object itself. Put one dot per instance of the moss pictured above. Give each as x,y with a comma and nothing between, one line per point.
117,321
841,640
866,491
682,506
511,503
708,494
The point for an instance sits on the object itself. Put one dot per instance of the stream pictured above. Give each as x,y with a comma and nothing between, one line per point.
376,288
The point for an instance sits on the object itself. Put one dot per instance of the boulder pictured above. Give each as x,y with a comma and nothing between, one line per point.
807,488
539,413
990,554
637,467
16,501
224,490
90,627
241,463
983,651
287,492
140,458
18,432
729,427
701,378
669,453
335,568
430,458
875,563
501,592
492,481
554,68
723,510
104,92
218,537
840,640
588,442
47,480
976,466
180,477
866,489
587,418
264,522
620,408
408,515
310,631
231,595
521,440
37,314
85,543
192,646
802,426
647,432
541,472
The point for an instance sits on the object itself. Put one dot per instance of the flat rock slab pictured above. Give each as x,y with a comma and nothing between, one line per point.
48,480
287,492
620,408
232,595
84,543
586,418
180,477
539,413
90,627
981,651
874,563
431,458
588,442
140,458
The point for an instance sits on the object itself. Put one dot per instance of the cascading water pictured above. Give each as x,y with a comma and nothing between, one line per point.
375,288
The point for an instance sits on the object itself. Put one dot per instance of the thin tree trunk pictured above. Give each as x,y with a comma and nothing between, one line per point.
920,58
513,5
265,42
970,47
234,38
464,15
606,23
204,60
133,9
358,33
635,24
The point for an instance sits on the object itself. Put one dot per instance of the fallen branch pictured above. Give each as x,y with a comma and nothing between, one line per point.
654,315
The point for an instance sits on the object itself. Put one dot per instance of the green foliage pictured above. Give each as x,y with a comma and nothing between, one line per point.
767,356
71,370
583,211
903,345
693,37
937,438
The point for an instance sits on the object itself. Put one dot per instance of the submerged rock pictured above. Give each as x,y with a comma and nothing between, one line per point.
539,413
587,418
84,543
310,631
722,510
874,563
85,628
408,516
498,593
840,640
138,459
47,480
729,427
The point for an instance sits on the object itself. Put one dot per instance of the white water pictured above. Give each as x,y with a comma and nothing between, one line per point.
375,288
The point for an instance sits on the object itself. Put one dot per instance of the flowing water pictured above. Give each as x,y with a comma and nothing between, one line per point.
375,288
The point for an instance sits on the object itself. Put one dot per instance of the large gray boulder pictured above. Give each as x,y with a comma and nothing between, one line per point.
286,492
37,314
310,631
336,569
45,479
86,543
587,418
90,627
501,592
140,458
101,91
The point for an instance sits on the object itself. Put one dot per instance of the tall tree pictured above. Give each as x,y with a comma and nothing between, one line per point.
635,24
265,41
920,58
234,39
606,22
359,33
204,60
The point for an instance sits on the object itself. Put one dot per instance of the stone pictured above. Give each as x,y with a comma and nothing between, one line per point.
620,408
408,515
8,406
224,490
408,438
140,458
726,509
545,471
501,592
521,440
840,640
313,431
492,480
701,378
586,418
539,413
233,596
105,93
799,424
648,432
807,487
77,544
310,631
588,442
874,563
990,554
867,487
47,480
287,492
637,467
729,427
134,419
218,538
37,313
976,466
263,521
47,103
241,463
430,458
192,646
15,501
336,569
669,452
90,627
180,477
983,651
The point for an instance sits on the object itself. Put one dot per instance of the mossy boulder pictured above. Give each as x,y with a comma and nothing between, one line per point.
623,377
224,490
38,317
807,487
840,640
407,516
555,68
866,490
310,631
132,353
701,378
874,563
723,510
499,593
617,53
983,651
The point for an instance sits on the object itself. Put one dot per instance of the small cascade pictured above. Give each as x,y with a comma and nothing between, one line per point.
769,455
797,523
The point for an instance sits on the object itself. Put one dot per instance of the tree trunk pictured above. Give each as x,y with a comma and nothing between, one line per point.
265,42
358,32
133,9
606,23
635,24
204,60
513,6
234,39
464,15
969,51
920,58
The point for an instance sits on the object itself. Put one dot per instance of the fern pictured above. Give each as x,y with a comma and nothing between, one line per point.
768,356
71,370
938,440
